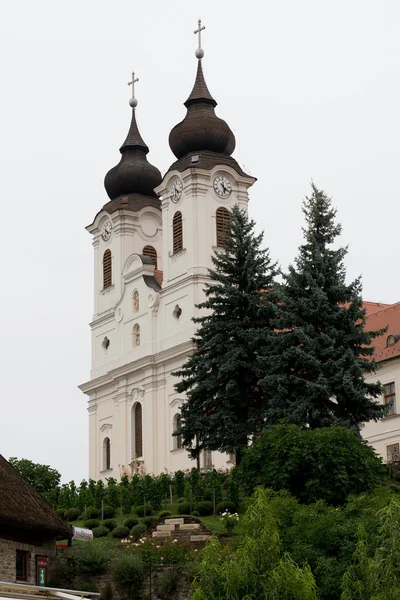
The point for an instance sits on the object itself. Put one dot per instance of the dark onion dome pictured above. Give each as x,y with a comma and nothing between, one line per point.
133,174
201,129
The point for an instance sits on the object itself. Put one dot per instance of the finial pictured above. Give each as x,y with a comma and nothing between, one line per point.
199,52
133,101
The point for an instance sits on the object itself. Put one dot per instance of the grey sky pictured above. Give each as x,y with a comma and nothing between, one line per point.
310,89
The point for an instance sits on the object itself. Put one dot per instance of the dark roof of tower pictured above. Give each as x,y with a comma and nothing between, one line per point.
134,177
201,129
206,160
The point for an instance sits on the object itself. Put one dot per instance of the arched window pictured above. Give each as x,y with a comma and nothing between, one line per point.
136,433
152,252
106,454
135,301
177,232
223,220
177,438
107,272
136,335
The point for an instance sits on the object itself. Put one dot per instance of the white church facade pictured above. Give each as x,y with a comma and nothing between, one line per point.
153,242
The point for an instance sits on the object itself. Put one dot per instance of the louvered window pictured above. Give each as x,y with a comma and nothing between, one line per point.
106,454
152,252
223,220
177,232
138,431
107,272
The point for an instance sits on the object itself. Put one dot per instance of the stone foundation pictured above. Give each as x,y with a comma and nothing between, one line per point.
8,553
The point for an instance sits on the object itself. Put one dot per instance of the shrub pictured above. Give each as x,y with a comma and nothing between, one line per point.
92,513
181,500
195,513
129,573
92,523
120,532
164,514
138,531
204,508
167,583
110,524
72,514
307,463
184,508
149,521
92,558
85,586
99,532
226,505
139,510
131,522
61,513
62,572
108,512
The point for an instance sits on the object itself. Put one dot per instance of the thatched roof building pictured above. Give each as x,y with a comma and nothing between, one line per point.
23,510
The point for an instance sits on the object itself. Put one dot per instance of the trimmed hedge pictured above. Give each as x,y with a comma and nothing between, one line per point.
184,508
92,513
120,532
226,505
92,523
139,510
149,521
108,512
164,514
138,530
100,531
204,508
72,514
131,522
110,524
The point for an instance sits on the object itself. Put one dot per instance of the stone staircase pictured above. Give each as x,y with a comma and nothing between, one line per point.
186,529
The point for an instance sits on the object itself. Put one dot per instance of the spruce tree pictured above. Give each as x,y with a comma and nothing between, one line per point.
322,351
224,404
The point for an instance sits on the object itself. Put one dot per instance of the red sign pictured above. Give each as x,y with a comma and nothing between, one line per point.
42,564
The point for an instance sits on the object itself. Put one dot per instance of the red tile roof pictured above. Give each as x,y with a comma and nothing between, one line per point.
387,315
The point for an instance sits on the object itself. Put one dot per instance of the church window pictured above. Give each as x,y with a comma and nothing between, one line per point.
152,252
389,398
106,454
107,274
207,458
177,232
136,335
137,431
176,425
392,453
135,301
223,220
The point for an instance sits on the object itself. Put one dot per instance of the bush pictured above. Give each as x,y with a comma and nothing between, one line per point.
120,532
61,513
307,463
164,514
204,508
181,500
110,524
139,510
72,514
85,586
195,513
184,508
167,583
226,505
108,512
129,573
92,523
92,513
92,558
149,521
131,522
99,532
138,531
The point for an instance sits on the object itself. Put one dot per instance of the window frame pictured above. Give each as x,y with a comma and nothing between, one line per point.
24,555
393,453
137,439
177,232
106,454
150,251
177,439
107,269
388,396
222,221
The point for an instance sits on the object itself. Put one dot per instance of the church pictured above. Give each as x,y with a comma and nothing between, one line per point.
153,242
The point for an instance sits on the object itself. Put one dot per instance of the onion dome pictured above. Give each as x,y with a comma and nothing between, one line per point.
133,174
201,129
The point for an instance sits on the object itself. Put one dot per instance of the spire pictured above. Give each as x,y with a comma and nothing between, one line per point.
133,175
201,129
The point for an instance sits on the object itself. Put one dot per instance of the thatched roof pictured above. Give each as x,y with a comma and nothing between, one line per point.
24,509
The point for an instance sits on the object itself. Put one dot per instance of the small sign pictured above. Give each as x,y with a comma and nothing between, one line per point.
84,535
42,565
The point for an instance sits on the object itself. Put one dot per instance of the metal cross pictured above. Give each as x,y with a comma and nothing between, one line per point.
132,83
198,31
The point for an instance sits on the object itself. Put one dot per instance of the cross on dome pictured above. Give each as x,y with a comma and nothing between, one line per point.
133,101
199,52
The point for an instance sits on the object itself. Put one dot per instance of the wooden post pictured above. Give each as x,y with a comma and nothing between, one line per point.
214,502
170,493
102,510
120,509
144,506
190,510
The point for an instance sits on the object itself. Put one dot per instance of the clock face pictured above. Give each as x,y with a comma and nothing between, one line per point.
106,231
176,190
222,186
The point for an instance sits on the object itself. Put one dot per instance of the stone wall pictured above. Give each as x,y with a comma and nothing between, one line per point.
8,552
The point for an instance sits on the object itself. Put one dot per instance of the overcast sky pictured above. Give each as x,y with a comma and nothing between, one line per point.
310,89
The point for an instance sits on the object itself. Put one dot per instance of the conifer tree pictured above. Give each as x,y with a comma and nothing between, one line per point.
224,403
322,350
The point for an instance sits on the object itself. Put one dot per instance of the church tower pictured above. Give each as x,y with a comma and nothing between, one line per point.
159,235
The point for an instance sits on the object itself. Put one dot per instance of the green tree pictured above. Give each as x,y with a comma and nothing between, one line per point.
321,464
225,404
316,375
42,478
256,568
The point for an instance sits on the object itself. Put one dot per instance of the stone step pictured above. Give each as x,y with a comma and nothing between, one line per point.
180,521
188,526
161,534
166,527
199,538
